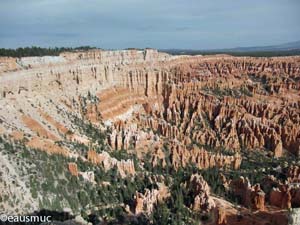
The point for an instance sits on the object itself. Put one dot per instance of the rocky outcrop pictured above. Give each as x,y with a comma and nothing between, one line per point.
123,167
220,216
258,198
181,156
169,110
158,157
199,190
88,176
192,99
281,197
293,174
48,146
249,196
8,64
144,203
294,216
73,169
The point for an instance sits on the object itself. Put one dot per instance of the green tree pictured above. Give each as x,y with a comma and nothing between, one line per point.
83,198
161,214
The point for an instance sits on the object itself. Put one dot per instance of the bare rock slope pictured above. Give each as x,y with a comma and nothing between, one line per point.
167,112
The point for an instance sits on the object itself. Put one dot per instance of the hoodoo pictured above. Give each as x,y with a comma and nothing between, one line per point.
181,130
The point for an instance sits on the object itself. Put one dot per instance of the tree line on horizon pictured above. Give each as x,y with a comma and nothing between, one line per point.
55,51
38,51
273,53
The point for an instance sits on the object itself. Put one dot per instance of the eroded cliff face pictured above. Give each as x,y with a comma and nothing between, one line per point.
170,111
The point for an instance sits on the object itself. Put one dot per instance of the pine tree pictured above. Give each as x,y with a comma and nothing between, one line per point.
161,214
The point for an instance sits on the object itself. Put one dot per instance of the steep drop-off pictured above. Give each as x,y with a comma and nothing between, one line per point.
133,111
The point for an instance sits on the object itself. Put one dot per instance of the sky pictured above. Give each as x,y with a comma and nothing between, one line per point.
162,24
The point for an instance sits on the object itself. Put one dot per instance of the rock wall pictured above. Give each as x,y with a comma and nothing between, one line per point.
249,196
123,167
171,111
186,100
199,190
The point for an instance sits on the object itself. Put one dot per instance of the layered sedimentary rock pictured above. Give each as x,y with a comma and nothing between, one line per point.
8,64
249,196
171,111
283,195
199,190
124,167
73,169
145,203
180,108
293,173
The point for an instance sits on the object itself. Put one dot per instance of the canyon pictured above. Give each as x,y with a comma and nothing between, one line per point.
135,113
